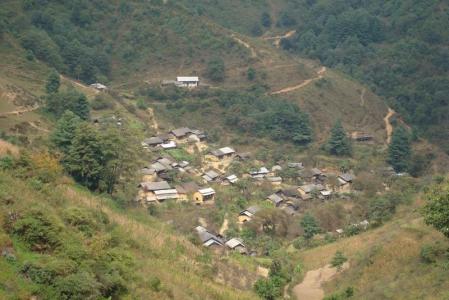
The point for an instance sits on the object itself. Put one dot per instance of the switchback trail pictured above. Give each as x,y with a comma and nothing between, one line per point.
19,111
245,44
362,98
277,39
388,126
320,74
310,288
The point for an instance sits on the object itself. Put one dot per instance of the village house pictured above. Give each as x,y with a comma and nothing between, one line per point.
309,189
187,190
99,86
247,214
296,165
211,176
259,174
187,81
153,141
180,133
206,195
274,180
197,136
168,145
231,179
236,245
242,156
361,137
344,181
275,199
225,152
208,239
161,165
154,192
325,194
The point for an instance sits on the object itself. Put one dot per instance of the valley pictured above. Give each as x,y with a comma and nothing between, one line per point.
209,150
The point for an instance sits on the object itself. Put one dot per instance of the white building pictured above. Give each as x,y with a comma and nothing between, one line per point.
187,81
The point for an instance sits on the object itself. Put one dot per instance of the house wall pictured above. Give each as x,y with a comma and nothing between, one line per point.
198,198
243,219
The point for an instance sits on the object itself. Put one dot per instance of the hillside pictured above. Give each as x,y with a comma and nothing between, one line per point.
287,156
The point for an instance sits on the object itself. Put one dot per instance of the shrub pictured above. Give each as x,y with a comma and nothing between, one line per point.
428,254
102,102
338,260
155,284
78,286
141,104
38,230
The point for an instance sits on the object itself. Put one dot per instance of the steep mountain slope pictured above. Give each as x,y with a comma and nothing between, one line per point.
59,241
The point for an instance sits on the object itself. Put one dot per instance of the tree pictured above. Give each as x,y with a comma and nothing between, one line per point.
216,69
256,30
251,74
266,20
53,83
338,143
310,226
64,132
58,103
338,260
399,150
436,210
85,159
266,289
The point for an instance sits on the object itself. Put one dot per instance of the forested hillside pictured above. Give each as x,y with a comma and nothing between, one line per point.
398,47
211,149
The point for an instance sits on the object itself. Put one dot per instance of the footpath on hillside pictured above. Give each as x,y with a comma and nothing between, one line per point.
388,126
311,287
320,74
277,39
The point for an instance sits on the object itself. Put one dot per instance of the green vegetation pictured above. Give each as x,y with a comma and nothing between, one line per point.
216,70
53,83
399,150
436,210
310,226
398,48
338,144
338,260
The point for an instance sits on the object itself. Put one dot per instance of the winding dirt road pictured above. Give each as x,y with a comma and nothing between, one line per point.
277,39
320,74
245,44
388,126
19,111
310,288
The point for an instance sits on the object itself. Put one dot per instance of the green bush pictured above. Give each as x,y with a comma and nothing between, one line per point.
39,231
78,286
102,102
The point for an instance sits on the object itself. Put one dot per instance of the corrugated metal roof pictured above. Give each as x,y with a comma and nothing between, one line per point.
207,191
187,78
234,242
155,186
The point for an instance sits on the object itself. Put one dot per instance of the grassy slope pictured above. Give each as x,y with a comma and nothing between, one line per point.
385,262
158,252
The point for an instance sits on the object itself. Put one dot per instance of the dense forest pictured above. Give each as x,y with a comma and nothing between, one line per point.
398,47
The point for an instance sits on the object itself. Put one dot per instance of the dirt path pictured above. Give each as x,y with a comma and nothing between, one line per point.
35,126
320,74
388,126
224,226
19,111
202,221
277,39
310,288
246,45
80,85
154,125
362,98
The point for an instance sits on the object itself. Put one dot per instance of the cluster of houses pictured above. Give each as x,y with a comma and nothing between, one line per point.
183,81
152,192
173,138
216,241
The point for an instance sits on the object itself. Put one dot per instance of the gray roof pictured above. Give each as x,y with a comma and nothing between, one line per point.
212,174
275,198
206,236
153,141
290,192
155,186
347,177
188,187
252,210
297,165
316,171
180,132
